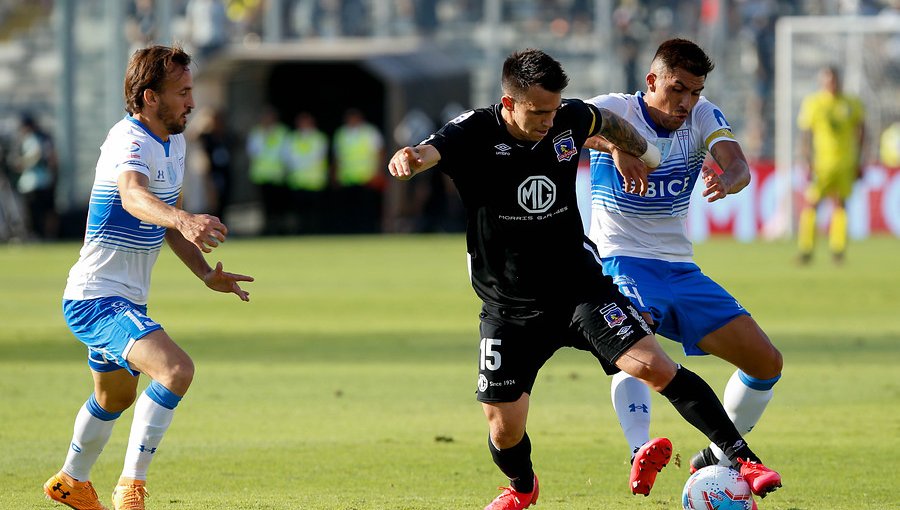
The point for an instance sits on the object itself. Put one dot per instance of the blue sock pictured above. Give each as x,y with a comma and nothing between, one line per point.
162,395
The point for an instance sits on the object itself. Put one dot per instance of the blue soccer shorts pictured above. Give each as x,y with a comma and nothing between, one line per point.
685,304
109,327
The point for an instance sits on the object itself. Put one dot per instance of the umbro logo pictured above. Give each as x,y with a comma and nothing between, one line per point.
502,149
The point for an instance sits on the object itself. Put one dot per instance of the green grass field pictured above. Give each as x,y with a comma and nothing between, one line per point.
348,383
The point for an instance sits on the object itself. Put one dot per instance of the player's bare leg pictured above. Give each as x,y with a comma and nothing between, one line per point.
511,450
742,343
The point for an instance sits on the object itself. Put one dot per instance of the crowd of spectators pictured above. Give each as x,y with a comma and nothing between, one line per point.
631,29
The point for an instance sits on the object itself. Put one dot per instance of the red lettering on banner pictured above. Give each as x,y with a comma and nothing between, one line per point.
755,212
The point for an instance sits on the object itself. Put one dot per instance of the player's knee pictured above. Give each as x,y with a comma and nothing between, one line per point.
506,431
656,372
179,375
657,378
115,402
504,436
765,366
773,364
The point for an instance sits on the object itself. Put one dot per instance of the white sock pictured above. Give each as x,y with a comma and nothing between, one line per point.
90,435
744,405
631,401
151,420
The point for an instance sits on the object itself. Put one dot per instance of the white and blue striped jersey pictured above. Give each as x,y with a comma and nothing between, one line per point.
652,226
119,250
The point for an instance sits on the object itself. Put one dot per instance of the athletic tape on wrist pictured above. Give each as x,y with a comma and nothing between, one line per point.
651,157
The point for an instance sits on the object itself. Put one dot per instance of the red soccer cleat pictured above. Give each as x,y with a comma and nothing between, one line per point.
510,499
648,461
762,480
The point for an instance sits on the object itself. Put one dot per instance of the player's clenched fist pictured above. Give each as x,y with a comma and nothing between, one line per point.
409,161
204,231
405,163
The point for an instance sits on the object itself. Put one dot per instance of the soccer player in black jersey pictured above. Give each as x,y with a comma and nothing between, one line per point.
540,279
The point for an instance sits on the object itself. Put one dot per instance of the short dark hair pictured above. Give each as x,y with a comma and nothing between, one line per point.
530,67
683,54
148,69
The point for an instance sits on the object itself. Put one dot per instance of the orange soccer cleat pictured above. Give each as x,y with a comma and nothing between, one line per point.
64,489
129,495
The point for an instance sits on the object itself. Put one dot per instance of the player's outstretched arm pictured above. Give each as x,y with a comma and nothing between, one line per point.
624,136
410,161
216,279
735,174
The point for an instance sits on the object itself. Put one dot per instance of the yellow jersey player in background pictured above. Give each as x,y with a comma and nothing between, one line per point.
832,127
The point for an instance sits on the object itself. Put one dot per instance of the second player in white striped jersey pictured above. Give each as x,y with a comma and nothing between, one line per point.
135,205
119,249
638,224
652,226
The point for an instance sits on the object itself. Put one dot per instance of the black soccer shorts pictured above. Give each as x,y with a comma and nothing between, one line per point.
516,342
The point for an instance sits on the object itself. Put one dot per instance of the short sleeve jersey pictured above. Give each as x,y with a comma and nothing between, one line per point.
652,226
119,250
834,121
524,233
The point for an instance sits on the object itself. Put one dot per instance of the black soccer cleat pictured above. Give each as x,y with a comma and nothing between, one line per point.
703,458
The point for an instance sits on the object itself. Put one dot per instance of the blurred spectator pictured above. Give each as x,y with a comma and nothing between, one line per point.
359,173
355,18
12,214
265,146
630,31
303,16
306,157
140,25
36,165
208,25
218,142
756,19
832,126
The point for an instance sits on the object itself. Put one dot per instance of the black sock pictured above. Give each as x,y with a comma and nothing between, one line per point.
515,462
698,405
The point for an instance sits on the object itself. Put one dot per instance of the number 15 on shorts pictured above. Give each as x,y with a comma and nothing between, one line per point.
490,359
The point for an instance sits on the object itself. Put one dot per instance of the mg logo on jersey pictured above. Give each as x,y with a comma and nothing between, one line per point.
537,194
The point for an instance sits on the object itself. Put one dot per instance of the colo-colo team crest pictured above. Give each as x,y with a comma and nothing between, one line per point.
564,145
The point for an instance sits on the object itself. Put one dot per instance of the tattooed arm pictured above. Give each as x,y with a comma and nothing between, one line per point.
633,156
623,135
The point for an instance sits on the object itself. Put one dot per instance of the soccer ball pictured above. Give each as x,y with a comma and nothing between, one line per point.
717,488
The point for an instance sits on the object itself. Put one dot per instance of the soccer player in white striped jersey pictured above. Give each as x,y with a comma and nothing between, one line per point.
638,225
135,204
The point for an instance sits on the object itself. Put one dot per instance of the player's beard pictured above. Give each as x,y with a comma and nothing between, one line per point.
174,125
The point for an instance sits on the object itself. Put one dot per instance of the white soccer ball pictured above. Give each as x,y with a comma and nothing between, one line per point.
717,488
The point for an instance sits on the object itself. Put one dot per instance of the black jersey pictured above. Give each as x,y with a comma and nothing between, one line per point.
524,231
